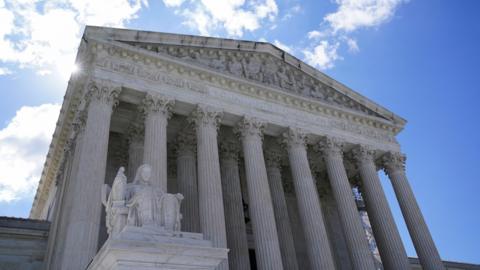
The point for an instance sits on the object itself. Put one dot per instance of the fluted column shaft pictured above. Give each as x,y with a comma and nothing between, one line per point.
187,180
357,243
210,198
82,237
157,110
238,256
386,234
135,150
267,248
285,236
318,247
422,240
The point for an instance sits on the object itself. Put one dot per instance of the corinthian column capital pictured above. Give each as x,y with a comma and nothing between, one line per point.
393,161
186,142
294,137
155,103
363,153
331,147
205,116
273,158
229,150
135,132
250,127
103,91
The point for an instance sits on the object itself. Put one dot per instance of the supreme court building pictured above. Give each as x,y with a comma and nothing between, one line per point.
277,161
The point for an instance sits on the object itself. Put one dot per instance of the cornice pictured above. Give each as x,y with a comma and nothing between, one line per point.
159,38
128,60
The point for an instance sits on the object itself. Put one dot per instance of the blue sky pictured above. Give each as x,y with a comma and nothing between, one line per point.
417,58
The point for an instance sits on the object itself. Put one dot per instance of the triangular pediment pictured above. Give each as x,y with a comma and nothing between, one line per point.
258,62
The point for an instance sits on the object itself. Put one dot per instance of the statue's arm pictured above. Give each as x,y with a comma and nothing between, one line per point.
104,193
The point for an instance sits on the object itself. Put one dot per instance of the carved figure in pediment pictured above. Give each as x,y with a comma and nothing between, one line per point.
269,70
219,62
299,84
253,68
235,66
317,92
285,77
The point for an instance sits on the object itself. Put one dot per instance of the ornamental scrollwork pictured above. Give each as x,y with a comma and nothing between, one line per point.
250,127
393,162
205,116
155,103
294,137
103,91
330,147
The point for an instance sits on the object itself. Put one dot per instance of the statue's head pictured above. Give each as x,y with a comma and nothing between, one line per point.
144,173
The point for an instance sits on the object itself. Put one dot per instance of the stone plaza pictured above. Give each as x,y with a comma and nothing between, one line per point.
277,162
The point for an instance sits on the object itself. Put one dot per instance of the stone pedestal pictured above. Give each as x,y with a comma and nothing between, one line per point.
156,249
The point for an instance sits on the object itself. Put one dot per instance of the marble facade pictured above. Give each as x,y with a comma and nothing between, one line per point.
265,149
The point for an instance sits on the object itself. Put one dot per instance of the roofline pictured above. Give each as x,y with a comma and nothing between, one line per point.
242,45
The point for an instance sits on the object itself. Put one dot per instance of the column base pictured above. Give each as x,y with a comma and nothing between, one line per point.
157,249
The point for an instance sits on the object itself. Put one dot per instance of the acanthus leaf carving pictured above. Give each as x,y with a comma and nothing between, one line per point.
103,91
394,162
155,103
206,116
250,127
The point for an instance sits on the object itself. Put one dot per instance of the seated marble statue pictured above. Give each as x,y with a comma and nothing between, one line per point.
140,203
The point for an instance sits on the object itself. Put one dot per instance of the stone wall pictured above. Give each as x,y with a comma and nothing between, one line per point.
22,243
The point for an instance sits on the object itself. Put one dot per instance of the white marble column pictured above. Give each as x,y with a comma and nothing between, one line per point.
157,110
394,164
135,135
318,247
56,240
210,198
285,235
82,236
386,234
267,248
185,148
357,243
238,256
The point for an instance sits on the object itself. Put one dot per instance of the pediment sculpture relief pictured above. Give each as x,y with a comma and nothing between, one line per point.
140,204
262,68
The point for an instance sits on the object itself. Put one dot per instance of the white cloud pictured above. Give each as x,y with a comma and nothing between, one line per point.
352,45
5,71
338,27
282,46
173,3
23,147
322,55
292,12
44,35
315,34
354,14
233,16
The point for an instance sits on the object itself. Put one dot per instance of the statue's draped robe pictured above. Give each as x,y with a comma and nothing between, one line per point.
143,202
